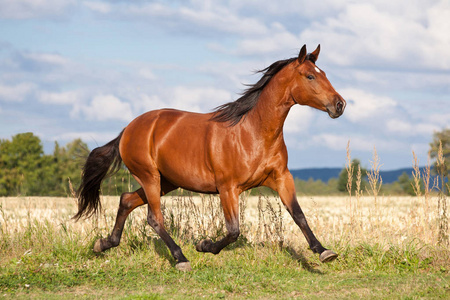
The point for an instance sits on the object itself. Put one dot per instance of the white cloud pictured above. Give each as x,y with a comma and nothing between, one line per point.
409,129
16,93
279,40
195,17
107,107
298,119
198,99
440,119
99,7
147,74
27,9
70,97
47,58
332,141
358,142
362,105
370,34
146,102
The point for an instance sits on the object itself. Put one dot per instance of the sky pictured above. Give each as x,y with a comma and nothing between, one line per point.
84,69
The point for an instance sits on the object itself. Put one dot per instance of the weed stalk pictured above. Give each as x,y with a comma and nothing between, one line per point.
443,238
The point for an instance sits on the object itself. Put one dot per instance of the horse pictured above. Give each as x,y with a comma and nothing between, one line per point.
236,147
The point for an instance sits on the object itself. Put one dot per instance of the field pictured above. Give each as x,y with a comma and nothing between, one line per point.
389,247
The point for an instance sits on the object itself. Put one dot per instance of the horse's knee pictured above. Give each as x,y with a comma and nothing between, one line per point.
124,201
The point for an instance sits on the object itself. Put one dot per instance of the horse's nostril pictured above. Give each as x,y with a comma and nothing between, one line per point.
339,106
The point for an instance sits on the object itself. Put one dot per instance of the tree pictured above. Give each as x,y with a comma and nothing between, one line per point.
343,177
406,184
26,170
69,161
444,138
21,161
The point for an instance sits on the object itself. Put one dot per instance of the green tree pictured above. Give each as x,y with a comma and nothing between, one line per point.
69,161
343,177
21,162
444,138
406,183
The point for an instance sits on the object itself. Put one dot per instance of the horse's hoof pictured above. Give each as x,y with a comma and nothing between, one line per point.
327,256
184,266
97,246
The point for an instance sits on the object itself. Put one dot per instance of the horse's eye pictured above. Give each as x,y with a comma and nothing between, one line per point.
310,77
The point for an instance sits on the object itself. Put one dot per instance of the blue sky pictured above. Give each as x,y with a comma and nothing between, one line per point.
84,69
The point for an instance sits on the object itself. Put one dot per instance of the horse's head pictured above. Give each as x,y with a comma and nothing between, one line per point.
311,86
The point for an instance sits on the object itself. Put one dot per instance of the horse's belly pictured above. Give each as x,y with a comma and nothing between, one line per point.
187,170
189,179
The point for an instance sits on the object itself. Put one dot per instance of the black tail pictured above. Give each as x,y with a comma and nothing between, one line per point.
102,162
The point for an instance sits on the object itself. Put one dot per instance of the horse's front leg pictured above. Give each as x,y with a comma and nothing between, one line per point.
284,185
230,204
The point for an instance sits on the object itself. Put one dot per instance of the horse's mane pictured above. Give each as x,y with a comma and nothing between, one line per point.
234,111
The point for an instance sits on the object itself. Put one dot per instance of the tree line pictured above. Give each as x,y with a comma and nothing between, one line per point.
25,170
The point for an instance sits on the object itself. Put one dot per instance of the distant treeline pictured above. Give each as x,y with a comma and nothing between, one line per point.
25,170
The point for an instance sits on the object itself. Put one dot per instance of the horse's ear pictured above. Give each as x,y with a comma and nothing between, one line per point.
302,55
314,55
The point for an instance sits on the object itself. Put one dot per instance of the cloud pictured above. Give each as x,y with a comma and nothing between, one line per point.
278,40
298,119
198,99
147,74
440,119
405,128
362,105
35,62
64,98
17,92
369,34
358,142
145,102
107,107
196,17
30,9
98,7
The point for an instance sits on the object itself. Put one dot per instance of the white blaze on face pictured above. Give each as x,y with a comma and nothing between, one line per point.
317,69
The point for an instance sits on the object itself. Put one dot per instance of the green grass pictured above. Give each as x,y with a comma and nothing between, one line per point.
44,255
142,268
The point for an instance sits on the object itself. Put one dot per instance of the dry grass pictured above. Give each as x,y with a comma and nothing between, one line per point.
394,220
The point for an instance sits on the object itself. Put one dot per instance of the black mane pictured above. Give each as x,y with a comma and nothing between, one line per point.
234,111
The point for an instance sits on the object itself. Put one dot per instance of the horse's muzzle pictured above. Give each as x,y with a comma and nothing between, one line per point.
337,109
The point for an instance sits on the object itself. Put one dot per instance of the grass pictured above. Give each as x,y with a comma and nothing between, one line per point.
46,255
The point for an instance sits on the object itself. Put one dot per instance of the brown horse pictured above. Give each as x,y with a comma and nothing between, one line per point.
237,147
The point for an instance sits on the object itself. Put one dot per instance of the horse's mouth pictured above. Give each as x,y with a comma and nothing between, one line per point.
334,115
335,111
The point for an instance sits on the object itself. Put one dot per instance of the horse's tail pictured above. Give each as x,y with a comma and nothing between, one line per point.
102,162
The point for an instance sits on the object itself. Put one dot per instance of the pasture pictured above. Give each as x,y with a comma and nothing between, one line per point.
388,248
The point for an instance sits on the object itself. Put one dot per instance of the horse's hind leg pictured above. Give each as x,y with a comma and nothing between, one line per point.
128,202
230,204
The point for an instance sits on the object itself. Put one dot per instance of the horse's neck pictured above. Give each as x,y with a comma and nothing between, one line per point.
273,106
